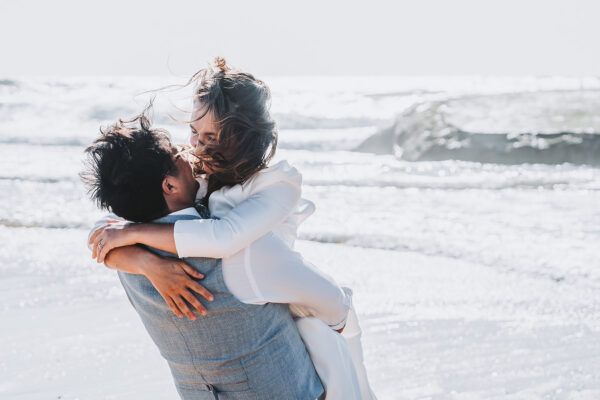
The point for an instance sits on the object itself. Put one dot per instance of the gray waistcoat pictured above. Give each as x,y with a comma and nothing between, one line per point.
238,351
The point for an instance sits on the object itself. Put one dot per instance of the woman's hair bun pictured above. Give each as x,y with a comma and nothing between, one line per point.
221,64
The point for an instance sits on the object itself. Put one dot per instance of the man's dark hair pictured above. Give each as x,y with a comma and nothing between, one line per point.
125,168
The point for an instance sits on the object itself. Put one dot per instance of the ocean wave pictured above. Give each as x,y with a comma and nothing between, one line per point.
299,121
403,93
14,223
430,131
501,262
499,183
47,141
39,179
383,242
12,107
109,113
8,82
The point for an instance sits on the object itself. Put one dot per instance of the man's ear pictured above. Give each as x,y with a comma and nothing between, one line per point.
169,185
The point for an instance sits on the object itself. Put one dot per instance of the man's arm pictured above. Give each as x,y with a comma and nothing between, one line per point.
111,236
131,259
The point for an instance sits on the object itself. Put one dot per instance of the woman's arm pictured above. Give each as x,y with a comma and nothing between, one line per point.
272,196
114,235
215,238
242,225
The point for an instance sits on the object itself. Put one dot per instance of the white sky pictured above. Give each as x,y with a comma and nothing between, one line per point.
270,37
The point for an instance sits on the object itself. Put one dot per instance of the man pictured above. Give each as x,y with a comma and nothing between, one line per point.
237,350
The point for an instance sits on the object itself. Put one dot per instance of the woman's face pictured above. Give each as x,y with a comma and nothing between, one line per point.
203,131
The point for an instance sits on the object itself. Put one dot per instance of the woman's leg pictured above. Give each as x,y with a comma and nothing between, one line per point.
352,334
332,359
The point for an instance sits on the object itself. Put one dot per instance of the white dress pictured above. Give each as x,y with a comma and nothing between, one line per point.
255,235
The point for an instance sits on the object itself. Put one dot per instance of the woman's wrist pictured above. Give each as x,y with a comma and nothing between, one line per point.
158,236
135,232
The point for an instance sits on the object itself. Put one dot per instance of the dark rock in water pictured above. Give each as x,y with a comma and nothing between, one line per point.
7,82
422,133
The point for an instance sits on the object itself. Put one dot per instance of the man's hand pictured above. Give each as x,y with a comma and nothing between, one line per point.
172,278
112,235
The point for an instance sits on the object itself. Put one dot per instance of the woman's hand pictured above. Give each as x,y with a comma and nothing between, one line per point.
173,279
112,235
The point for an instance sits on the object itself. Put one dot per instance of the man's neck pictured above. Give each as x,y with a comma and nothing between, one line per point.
175,206
177,203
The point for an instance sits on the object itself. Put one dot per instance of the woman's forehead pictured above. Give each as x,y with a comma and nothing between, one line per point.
202,120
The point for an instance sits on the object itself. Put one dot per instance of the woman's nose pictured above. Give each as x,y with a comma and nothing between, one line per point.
194,140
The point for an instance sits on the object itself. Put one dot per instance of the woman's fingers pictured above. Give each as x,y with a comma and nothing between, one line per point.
94,243
103,247
102,254
97,240
93,237
201,290
181,304
194,302
106,247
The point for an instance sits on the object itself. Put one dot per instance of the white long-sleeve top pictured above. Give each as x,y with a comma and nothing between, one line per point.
254,236
268,202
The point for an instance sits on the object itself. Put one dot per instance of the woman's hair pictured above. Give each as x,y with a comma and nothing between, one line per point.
247,135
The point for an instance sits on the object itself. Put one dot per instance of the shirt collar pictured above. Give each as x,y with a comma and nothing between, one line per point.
186,211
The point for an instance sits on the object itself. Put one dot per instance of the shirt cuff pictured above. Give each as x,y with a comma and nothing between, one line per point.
340,325
348,303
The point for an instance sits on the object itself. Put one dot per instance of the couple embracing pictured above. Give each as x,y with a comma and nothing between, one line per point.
202,237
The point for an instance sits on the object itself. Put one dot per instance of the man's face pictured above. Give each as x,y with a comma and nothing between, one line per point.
184,176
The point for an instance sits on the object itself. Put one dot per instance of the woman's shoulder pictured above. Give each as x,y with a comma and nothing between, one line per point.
281,171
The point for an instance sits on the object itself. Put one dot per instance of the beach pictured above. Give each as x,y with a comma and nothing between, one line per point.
472,280
434,328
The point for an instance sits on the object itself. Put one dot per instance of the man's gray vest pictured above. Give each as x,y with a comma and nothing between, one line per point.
238,351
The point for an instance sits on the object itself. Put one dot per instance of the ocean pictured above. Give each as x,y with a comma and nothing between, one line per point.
464,211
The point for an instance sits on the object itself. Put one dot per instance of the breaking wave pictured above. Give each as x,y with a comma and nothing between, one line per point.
536,128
